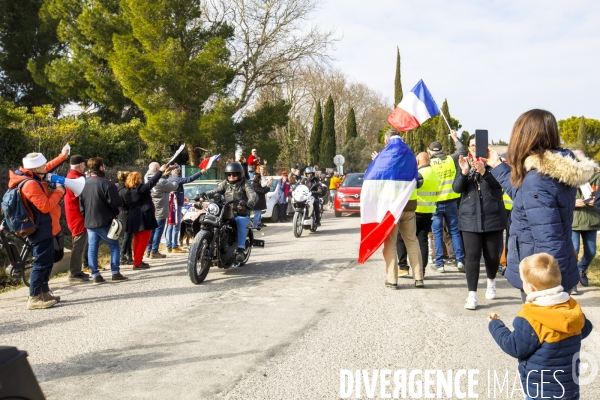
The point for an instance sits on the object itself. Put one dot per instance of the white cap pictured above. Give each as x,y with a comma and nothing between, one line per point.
34,160
253,150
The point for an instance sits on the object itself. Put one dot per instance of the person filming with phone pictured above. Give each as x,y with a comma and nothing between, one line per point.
481,219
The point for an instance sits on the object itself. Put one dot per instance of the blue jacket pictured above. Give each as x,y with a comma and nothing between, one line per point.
183,181
542,212
545,338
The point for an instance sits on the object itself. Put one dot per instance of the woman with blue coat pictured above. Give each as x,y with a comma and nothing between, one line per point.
542,179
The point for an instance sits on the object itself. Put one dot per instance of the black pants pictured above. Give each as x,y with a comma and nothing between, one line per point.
282,212
423,229
126,245
317,206
490,243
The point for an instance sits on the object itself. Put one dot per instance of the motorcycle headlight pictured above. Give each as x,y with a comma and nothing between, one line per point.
212,209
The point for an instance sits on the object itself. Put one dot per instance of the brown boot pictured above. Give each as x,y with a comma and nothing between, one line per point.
157,255
177,250
169,250
50,296
38,302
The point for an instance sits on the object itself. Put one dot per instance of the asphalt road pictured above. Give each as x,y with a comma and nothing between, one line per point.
282,327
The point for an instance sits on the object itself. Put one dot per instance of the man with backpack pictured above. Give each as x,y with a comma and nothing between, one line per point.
45,212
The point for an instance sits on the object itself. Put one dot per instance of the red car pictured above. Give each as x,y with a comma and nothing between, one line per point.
347,198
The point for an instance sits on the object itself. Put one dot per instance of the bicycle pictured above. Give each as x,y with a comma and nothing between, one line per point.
19,254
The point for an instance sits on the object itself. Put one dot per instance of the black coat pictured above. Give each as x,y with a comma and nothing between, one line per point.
123,209
481,207
99,202
261,192
141,207
238,191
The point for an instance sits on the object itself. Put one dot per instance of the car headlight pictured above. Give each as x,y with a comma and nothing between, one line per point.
212,209
340,195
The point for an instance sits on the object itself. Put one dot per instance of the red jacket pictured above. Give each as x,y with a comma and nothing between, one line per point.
74,217
253,161
46,208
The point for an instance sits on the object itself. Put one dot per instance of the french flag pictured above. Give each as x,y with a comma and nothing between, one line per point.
414,109
388,184
208,162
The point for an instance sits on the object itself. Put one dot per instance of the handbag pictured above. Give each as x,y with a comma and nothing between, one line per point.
116,227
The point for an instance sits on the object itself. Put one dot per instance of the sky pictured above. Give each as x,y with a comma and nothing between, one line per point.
492,60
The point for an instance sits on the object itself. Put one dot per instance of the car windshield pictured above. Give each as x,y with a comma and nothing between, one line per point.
191,191
274,184
353,180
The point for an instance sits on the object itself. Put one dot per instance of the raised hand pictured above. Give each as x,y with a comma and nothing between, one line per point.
464,165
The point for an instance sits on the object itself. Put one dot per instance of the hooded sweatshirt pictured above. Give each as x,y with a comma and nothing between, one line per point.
548,333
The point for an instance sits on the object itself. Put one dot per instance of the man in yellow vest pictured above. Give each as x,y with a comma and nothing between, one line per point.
426,199
447,203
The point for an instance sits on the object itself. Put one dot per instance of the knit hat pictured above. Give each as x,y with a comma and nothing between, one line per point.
284,173
34,160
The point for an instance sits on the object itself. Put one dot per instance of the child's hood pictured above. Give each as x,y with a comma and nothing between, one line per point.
566,318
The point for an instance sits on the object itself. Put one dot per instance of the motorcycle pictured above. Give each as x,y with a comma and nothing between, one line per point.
215,242
304,210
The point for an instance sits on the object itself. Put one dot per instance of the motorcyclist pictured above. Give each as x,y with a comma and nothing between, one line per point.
236,187
317,190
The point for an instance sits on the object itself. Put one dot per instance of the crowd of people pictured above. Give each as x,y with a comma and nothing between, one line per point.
467,204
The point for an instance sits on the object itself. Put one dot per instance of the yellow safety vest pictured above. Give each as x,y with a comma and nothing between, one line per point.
413,195
428,193
508,203
446,170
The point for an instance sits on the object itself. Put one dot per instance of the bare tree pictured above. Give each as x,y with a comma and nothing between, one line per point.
271,39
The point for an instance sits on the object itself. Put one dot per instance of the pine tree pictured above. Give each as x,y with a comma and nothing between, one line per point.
397,82
328,145
582,135
443,131
414,141
351,125
314,145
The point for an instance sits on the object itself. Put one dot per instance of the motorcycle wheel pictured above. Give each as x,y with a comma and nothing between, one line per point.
198,266
297,224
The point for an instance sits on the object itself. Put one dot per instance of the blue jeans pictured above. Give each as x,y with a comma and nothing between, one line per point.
257,218
173,234
155,236
43,260
242,225
94,236
449,212
589,247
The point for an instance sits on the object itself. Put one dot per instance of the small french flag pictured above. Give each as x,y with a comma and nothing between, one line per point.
208,162
414,109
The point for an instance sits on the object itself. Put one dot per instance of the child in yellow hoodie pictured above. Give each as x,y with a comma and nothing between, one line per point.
547,332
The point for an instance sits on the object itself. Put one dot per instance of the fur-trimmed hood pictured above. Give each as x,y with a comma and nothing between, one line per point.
561,166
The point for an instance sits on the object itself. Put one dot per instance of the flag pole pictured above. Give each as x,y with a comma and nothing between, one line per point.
445,120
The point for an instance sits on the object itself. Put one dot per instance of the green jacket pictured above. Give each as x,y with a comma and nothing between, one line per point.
586,218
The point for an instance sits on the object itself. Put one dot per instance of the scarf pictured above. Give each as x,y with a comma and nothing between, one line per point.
98,173
173,209
548,297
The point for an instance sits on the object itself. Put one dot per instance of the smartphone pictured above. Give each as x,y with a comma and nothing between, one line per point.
481,143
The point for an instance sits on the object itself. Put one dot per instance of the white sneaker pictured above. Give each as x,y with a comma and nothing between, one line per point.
471,303
490,293
460,266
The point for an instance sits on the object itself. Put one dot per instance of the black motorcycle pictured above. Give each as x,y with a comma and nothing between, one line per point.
215,242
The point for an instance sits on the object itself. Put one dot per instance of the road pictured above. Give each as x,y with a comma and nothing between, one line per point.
282,327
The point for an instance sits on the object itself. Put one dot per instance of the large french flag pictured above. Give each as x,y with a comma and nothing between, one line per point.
388,184
416,107
208,162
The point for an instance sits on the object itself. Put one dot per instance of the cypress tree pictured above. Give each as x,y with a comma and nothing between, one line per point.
351,125
328,145
443,131
582,135
397,82
314,145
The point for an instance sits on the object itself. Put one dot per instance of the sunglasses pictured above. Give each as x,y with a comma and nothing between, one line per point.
231,174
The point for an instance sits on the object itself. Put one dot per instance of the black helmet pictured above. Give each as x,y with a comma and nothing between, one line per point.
236,168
